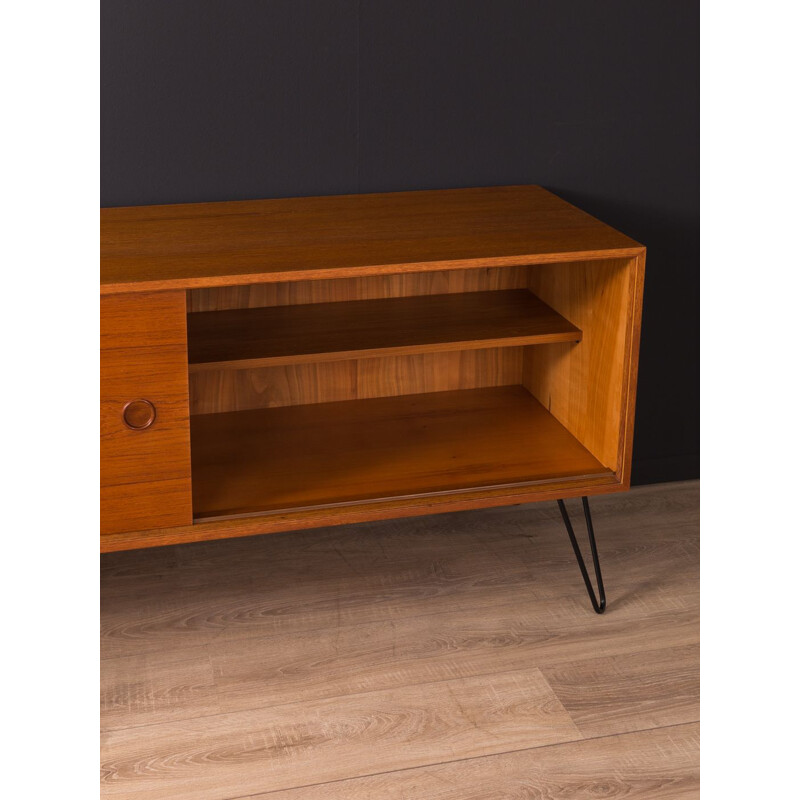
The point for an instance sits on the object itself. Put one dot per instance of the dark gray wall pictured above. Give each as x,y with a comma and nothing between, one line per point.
597,101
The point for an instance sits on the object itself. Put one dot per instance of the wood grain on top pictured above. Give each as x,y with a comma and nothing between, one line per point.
255,241
360,328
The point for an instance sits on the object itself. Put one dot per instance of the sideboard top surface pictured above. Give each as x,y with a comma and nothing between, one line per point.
152,248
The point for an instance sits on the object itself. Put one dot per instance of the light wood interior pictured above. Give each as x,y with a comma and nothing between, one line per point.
283,417
251,462
315,332
371,287
584,387
222,390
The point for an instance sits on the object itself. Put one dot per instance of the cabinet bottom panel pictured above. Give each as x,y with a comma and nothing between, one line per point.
301,457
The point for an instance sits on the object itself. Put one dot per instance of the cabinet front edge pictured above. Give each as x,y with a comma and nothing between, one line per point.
330,273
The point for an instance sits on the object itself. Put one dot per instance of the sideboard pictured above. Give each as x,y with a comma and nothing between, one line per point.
282,364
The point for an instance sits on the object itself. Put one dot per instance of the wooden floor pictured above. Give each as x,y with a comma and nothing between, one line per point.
450,657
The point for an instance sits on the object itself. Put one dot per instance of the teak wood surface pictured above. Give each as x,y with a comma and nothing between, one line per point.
145,475
393,447
591,389
363,287
296,307
363,328
256,241
215,390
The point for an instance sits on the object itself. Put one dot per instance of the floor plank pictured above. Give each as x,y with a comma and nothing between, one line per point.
648,765
158,687
635,691
327,740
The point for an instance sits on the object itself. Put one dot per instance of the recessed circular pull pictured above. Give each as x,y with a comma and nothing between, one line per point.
139,414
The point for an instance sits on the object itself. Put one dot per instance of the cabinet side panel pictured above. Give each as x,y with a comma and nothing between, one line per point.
145,474
586,385
629,397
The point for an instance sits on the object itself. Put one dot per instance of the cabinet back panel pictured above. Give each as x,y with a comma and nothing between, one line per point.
370,288
267,387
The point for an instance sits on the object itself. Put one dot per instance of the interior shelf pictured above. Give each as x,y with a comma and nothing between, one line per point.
251,337
295,457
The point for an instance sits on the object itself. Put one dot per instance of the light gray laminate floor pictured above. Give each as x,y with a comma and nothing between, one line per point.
449,657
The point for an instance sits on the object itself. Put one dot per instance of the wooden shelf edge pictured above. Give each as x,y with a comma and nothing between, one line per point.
337,331
527,485
348,355
203,531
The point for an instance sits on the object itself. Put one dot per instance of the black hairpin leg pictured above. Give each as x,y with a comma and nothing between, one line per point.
599,607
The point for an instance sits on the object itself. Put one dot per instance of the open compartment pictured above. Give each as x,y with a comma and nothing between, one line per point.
309,394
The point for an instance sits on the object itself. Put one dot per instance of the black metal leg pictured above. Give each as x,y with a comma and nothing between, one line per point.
599,607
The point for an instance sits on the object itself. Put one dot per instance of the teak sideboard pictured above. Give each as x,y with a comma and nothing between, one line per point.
284,364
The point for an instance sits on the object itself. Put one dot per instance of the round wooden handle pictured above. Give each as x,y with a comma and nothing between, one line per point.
139,414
